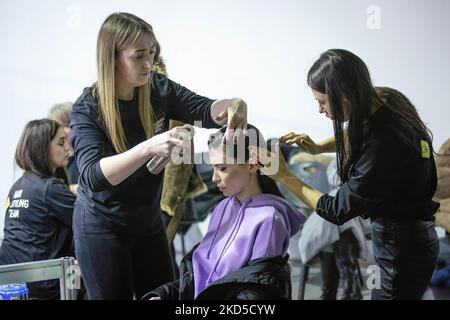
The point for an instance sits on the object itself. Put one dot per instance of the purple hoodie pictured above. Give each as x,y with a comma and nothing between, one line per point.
238,232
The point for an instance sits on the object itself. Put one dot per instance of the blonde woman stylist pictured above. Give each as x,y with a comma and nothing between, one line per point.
118,125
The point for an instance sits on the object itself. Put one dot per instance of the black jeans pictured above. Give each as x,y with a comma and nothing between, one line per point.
406,253
117,266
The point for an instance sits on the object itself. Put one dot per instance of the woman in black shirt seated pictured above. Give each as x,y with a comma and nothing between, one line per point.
38,218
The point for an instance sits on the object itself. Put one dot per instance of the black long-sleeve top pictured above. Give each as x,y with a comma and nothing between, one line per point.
38,226
132,206
392,179
38,220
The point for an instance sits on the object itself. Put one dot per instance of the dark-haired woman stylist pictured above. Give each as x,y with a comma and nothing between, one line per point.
385,160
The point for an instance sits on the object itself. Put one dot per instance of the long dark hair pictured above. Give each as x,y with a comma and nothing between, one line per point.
241,153
32,152
345,78
400,105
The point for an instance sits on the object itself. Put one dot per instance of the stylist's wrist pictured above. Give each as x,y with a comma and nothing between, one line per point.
283,176
146,149
320,148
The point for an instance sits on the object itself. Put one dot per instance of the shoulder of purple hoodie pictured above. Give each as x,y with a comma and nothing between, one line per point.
270,206
293,217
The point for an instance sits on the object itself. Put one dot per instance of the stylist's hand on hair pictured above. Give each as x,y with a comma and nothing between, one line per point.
303,141
236,116
271,164
274,165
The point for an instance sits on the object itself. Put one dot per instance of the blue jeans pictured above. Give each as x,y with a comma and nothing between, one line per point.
406,252
117,266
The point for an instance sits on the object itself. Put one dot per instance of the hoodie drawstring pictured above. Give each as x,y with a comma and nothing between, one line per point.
218,227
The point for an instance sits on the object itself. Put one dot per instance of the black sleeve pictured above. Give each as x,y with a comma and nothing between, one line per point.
187,106
89,143
168,291
374,178
255,293
60,202
171,290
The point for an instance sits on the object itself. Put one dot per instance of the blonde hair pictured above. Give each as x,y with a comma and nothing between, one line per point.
119,31
61,112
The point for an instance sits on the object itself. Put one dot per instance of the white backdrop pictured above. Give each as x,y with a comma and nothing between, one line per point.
257,50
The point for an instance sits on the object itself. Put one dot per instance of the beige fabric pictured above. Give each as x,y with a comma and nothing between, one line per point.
443,215
443,190
443,171
180,183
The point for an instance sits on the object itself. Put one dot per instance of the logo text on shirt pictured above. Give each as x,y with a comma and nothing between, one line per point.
13,213
20,203
17,194
425,149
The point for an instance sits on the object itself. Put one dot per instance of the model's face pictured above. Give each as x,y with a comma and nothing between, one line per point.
231,179
59,150
133,64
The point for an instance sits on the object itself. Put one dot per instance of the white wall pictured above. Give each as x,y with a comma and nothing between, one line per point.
257,50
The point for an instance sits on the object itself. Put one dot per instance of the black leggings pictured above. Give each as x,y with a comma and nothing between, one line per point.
116,267
406,254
